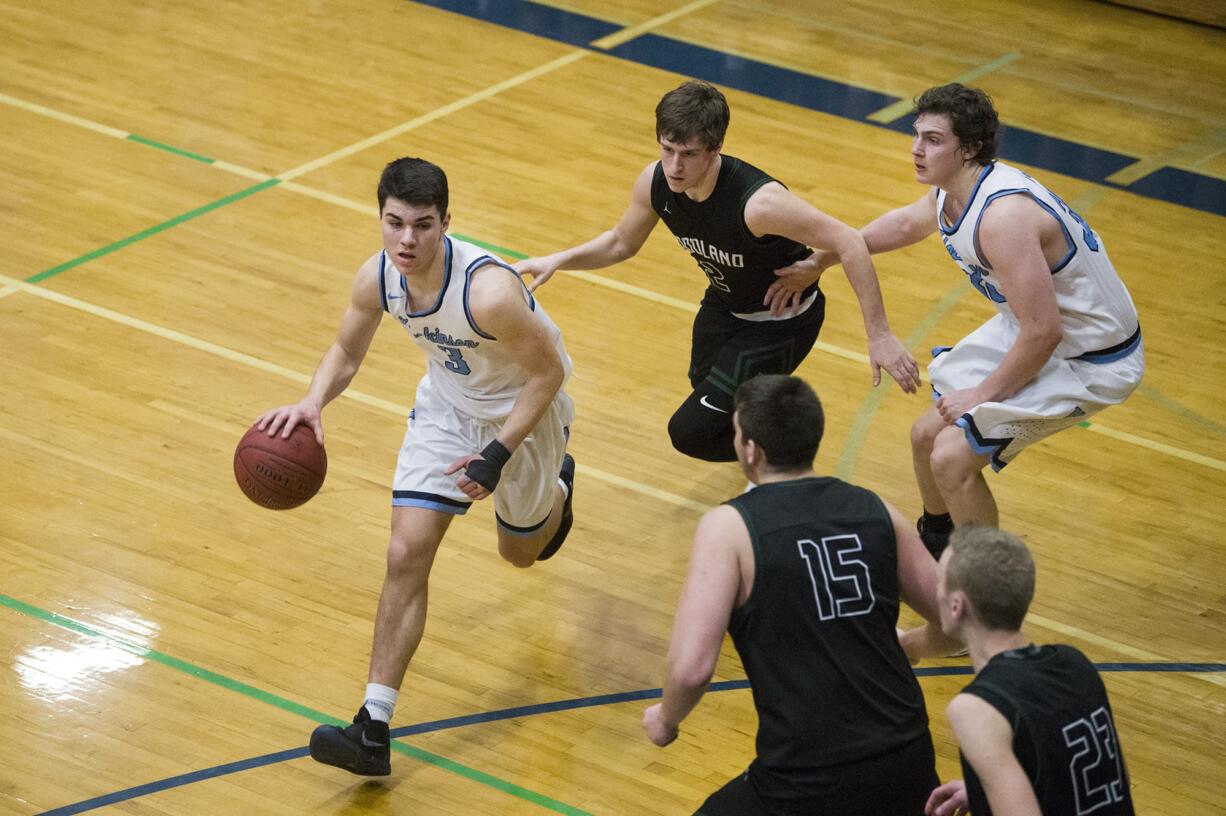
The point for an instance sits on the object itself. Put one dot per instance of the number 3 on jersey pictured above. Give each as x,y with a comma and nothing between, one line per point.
457,362
841,583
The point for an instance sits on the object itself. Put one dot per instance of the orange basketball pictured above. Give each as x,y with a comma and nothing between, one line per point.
280,473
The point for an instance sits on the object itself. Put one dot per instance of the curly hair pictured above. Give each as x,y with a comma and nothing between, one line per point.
972,114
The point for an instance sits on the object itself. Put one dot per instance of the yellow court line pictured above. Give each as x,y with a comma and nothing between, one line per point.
903,106
437,113
626,34
298,377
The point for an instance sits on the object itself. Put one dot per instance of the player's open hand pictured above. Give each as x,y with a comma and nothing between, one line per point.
948,800
887,351
287,417
657,730
539,268
791,281
472,489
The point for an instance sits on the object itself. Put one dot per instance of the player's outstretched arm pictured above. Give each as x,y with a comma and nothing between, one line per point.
772,210
917,586
903,226
707,600
340,362
500,308
986,740
612,246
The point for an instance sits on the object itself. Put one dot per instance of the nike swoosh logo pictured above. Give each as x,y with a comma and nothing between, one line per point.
394,297
370,744
703,401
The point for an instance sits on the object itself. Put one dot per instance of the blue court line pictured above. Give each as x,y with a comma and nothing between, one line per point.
528,711
835,98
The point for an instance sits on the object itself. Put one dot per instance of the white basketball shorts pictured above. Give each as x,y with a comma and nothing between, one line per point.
438,434
1064,393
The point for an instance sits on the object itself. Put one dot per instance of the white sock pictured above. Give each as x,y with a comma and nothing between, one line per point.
565,489
380,701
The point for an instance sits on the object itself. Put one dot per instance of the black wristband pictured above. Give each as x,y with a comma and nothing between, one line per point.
487,470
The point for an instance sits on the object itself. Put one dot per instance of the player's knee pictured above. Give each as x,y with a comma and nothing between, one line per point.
924,431
952,459
517,551
409,557
701,440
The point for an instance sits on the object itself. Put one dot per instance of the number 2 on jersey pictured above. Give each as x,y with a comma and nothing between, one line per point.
841,584
1097,776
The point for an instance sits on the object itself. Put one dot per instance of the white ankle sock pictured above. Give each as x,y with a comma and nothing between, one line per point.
380,701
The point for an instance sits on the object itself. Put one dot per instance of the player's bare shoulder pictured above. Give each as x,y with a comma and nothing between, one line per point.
365,292
496,293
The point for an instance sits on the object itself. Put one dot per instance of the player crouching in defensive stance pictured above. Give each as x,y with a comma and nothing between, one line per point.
806,573
490,418
1034,726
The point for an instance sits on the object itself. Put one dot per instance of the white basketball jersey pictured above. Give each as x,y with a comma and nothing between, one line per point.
467,366
1097,316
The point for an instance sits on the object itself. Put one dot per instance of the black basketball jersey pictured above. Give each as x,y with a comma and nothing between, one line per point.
739,266
1063,733
817,636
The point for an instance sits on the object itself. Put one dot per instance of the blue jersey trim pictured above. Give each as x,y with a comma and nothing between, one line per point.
521,532
1068,236
442,292
981,444
487,260
967,207
430,501
1117,352
382,282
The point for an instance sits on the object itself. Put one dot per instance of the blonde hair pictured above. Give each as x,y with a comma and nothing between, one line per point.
995,572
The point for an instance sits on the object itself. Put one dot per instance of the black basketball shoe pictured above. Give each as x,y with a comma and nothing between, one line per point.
567,475
934,541
363,748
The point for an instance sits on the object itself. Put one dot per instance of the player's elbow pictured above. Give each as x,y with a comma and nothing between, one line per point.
1046,336
693,674
691,667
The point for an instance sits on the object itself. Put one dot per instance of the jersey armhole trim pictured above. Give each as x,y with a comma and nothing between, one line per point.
1068,236
753,551
490,260
382,280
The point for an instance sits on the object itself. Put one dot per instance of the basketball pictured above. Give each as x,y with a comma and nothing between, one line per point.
280,473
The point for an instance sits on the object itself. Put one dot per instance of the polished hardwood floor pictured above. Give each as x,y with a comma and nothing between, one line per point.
188,188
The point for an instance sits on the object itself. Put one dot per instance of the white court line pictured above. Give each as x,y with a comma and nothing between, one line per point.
626,34
402,410
1108,643
298,377
599,280
437,113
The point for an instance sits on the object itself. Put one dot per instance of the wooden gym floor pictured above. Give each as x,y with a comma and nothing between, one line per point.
188,188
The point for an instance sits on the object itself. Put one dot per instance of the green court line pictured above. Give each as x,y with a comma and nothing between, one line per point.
170,149
858,432
286,705
509,253
154,230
